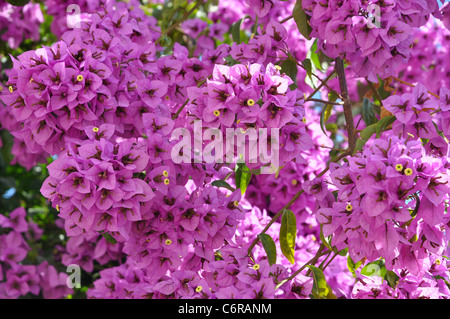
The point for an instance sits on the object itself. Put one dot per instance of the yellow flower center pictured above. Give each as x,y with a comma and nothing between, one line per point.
198,289
236,203
168,242
278,67
95,129
349,207
256,266
294,182
313,238
304,120
250,102
57,207
166,181
80,78
399,167
11,89
165,173
437,262
408,172
31,80
216,112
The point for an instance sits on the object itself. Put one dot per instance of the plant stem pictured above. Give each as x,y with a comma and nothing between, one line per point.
274,218
312,261
351,133
412,85
175,116
286,19
326,102
323,82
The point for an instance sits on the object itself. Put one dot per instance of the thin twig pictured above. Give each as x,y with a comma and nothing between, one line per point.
351,133
312,261
326,102
175,116
322,83
329,262
286,19
412,85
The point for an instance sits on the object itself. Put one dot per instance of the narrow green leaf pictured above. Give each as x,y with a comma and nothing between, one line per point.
367,133
308,66
384,123
320,290
236,31
314,56
289,66
360,144
245,180
352,266
368,112
222,183
288,234
301,19
237,176
243,176
325,115
324,240
269,247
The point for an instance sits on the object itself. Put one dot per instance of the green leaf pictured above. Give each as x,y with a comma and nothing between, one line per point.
332,127
320,290
383,123
269,247
343,252
222,183
392,278
360,144
324,240
301,19
236,31
308,66
242,177
352,266
368,113
109,238
288,234
367,133
18,3
376,268
325,115
314,56
289,66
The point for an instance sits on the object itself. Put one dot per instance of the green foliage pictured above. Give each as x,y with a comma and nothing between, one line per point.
301,19
288,234
269,247
222,183
18,3
320,290
243,176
